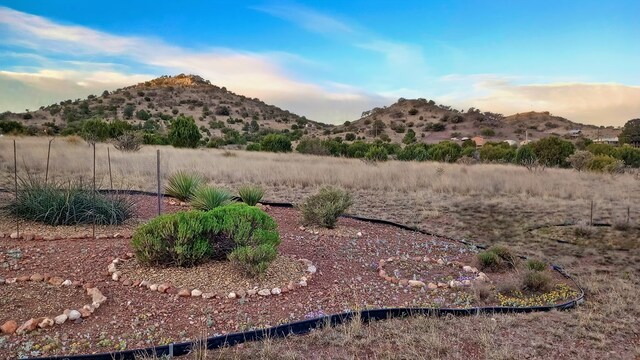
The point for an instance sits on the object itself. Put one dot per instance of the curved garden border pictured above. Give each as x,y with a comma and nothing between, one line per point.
305,326
167,288
97,299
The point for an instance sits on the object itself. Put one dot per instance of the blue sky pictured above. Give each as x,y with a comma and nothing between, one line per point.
332,60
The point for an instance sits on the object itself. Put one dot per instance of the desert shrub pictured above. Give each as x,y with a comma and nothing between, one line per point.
253,260
487,132
621,226
276,143
11,127
416,152
324,207
580,159
553,151
630,155
313,147
254,147
350,136
184,132
501,152
505,254
605,163
536,265
536,281
525,155
445,151
251,194
182,185
194,237
582,232
489,260
413,111
208,198
377,153
128,142
67,204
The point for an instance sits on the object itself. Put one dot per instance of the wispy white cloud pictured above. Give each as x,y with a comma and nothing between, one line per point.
251,74
308,19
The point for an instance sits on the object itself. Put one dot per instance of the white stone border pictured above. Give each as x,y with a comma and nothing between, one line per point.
167,288
480,276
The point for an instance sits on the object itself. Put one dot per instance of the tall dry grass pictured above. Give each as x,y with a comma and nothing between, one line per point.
138,171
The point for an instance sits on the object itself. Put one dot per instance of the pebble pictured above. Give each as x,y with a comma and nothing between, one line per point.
115,276
303,283
45,323
14,235
37,277
416,283
208,295
196,293
67,282
57,281
264,292
241,293
252,292
27,326
72,314
311,269
153,287
163,287
184,293
9,327
231,295
432,286
60,319
144,283
275,291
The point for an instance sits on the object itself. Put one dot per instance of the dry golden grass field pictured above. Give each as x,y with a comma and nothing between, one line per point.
485,204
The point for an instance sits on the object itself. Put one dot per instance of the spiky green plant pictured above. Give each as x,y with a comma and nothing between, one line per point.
67,204
251,194
182,185
536,265
208,197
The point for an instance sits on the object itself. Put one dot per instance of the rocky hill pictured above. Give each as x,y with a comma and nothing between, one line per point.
217,111
157,101
433,123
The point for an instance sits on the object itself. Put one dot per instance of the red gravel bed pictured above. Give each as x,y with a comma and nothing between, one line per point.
133,317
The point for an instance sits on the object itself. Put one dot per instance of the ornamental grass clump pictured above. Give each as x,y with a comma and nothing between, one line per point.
67,204
208,198
243,234
536,265
489,260
251,194
183,185
537,281
324,207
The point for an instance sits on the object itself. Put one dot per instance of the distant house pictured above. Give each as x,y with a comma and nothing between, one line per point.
479,140
610,141
464,138
511,142
575,132
455,139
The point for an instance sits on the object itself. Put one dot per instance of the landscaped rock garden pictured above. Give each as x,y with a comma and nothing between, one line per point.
231,267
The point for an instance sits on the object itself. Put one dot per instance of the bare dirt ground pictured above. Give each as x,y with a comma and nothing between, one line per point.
485,204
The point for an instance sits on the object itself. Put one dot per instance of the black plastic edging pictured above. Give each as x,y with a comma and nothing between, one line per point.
305,326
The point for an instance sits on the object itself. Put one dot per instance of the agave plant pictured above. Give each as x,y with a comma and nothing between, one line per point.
207,198
183,185
251,194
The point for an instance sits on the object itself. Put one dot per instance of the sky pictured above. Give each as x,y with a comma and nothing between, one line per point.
332,60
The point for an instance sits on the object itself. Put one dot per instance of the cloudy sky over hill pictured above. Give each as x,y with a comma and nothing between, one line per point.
329,60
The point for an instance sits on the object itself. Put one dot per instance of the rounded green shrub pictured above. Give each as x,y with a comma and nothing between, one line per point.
244,234
505,254
324,207
183,185
208,198
251,194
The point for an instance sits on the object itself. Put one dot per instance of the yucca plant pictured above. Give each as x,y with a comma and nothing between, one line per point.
207,198
183,185
251,194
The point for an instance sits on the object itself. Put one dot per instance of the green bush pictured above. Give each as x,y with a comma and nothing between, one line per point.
253,260
324,207
536,265
445,151
67,204
536,281
553,151
605,163
276,143
254,147
244,234
184,132
251,194
416,152
580,159
377,153
208,198
489,260
183,185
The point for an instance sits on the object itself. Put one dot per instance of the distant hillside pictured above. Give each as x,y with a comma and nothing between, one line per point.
217,112
166,97
434,123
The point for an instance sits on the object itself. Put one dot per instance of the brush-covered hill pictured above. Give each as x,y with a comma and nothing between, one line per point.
433,123
154,103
